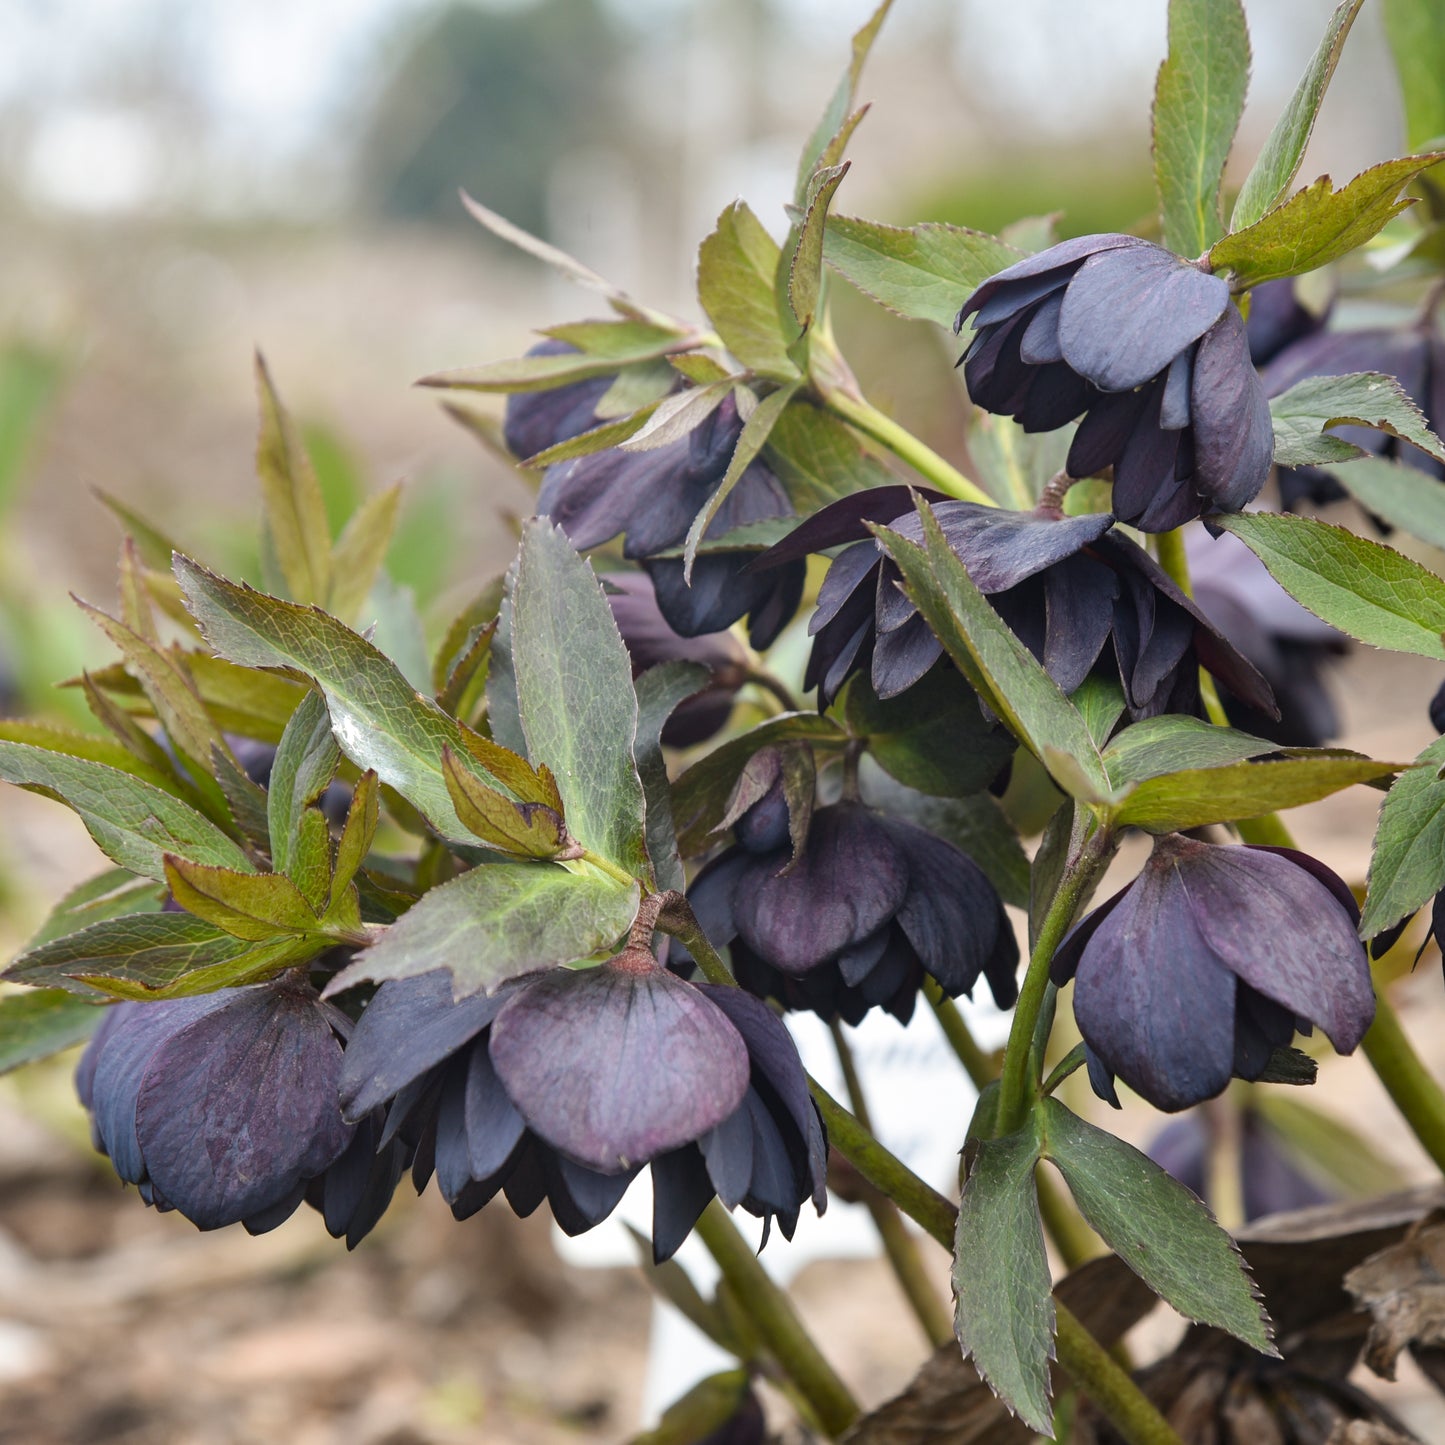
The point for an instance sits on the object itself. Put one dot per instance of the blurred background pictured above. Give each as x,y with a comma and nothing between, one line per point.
182,181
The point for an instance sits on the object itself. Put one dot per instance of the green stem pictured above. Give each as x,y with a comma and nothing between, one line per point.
762,678
1169,548
605,865
981,1067
906,447
898,1244
1080,875
1097,1375
777,1323
1411,1086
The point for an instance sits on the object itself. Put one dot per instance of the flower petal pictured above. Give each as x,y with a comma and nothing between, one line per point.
1233,432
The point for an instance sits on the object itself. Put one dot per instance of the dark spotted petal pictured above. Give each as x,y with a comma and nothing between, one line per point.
1282,931
1151,999
614,1066
902,657
1066,255
120,1054
1128,313
681,1190
1101,435
757,496
728,1153
843,521
493,1125
952,915
1079,598
1319,872
1000,549
240,1105
847,881
1174,409
1233,433
1040,342
410,1026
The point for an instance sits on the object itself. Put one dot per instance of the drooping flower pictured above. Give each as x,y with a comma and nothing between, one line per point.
1414,356
650,642
1150,350
561,1086
1212,958
1279,316
1289,647
536,420
650,499
1077,593
224,1107
868,907
1270,1181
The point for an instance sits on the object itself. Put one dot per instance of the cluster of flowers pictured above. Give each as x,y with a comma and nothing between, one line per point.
562,1086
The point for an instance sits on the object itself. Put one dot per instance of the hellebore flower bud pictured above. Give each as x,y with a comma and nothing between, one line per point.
224,1108
868,907
1151,350
1212,958
562,1085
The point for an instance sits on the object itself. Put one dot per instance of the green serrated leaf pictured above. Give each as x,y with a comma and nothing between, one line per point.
659,690
154,545
1369,591
305,763
1000,668
751,440
1397,493
479,615
933,738
1417,44
360,551
609,434
311,863
924,272
56,738
736,266
293,508
835,117
1318,224
253,906
679,415
496,922
159,765
133,823
1198,100
700,795
1407,866
1156,1226
1194,797
526,830
1166,744
38,1022
380,721
574,691
1100,701
1362,398
1279,162
1004,1318
818,459
462,688
246,802
805,271
359,831
616,339
154,955
112,894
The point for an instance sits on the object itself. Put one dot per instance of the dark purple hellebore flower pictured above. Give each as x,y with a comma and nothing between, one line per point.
536,420
652,497
1076,592
1289,646
1212,958
869,906
1269,1179
1414,356
561,1086
1279,318
1151,350
224,1108
650,642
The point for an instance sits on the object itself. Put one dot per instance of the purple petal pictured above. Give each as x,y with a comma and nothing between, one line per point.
681,1190
1066,255
241,1105
847,881
843,521
582,1198
1040,343
1174,411
902,657
1057,394
1233,433
614,1066
1105,428
1079,597
1128,313
728,1153
492,1125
